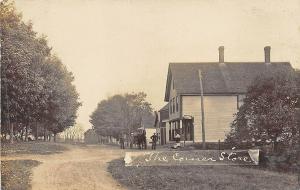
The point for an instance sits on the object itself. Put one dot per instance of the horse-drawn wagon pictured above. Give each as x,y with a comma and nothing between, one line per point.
138,139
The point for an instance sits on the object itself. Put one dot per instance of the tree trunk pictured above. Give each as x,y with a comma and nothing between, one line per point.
11,133
22,134
54,137
275,144
36,131
26,133
45,135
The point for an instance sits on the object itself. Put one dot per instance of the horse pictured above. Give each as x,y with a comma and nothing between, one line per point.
139,139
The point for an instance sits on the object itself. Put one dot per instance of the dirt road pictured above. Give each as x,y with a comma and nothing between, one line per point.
80,168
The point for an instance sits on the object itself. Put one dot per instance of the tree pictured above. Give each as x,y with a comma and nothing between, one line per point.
21,55
35,86
298,105
61,97
122,114
269,111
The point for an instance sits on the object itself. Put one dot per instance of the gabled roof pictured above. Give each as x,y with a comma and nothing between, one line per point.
164,113
165,108
218,78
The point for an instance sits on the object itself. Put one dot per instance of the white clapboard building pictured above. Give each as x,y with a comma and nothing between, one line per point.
224,86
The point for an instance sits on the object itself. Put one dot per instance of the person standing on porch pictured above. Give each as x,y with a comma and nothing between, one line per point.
177,139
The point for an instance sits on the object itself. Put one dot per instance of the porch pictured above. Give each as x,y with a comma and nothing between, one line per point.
184,127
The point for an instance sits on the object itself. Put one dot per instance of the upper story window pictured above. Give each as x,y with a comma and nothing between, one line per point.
173,84
173,105
177,103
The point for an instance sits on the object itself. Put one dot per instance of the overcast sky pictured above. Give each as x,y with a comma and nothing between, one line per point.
119,46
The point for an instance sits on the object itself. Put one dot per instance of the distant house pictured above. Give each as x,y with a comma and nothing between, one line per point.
224,88
163,122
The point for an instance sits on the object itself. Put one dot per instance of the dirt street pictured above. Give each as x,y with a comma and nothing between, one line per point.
81,168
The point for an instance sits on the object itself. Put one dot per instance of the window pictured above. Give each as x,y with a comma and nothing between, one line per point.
173,84
172,110
173,105
177,103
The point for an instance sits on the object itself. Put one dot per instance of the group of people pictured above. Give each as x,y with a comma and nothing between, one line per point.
154,139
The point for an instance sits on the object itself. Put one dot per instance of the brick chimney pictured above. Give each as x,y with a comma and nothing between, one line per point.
267,54
221,54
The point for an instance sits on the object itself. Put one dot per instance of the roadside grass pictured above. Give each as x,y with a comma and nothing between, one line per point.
15,174
31,148
200,177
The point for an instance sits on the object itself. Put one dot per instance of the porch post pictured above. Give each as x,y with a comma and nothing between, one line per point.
181,128
168,128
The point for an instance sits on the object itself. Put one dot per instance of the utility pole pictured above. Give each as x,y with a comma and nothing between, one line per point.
202,111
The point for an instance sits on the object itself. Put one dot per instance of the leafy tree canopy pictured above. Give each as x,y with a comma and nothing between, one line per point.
269,111
35,85
122,114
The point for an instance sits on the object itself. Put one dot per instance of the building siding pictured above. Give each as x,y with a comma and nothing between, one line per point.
173,94
167,131
219,113
164,115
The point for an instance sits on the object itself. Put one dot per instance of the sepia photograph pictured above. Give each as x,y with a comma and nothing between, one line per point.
150,95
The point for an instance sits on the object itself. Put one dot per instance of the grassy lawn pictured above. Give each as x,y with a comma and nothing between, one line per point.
31,148
15,174
201,177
